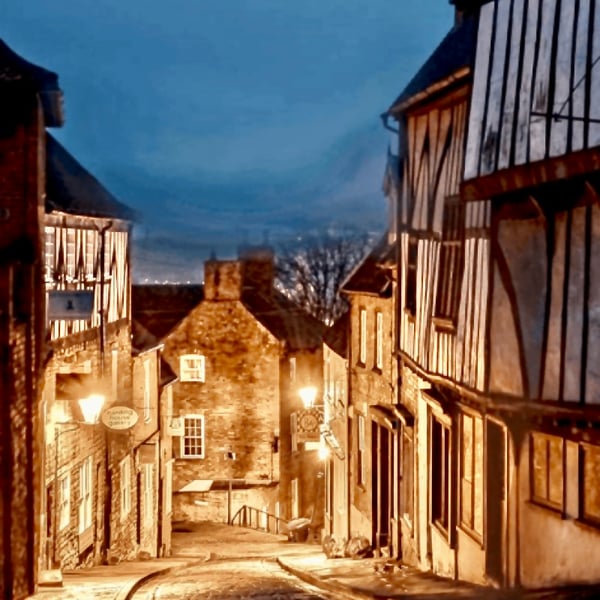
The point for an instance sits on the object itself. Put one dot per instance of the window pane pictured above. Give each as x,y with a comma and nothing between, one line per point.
591,482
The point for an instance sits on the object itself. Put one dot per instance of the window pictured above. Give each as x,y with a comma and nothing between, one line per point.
471,481
169,487
146,391
125,486
114,373
440,470
451,260
294,431
410,301
64,501
590,483
361,477
362,356
292,369
295,499
191,367
379,340
148,494
407,493
546,468
192,442
85,495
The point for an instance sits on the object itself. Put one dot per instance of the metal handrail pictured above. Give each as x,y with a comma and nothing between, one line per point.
255,518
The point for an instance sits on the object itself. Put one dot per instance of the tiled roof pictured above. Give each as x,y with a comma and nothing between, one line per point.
160,307
72,189
167,375
456,51
336,336
15,69
370,276
284,319
141,339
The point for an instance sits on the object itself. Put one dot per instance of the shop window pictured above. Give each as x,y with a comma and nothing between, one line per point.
546,468
440,471
471,480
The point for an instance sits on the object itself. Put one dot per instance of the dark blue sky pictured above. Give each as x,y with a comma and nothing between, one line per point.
222,119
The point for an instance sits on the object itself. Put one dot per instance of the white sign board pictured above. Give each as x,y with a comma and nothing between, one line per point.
119,417
68,305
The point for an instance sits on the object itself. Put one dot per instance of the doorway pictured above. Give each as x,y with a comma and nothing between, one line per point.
495,501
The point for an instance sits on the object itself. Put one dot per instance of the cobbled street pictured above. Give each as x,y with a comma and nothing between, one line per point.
228,579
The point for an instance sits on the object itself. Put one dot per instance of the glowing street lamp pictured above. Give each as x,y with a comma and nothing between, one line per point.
308,395
91,408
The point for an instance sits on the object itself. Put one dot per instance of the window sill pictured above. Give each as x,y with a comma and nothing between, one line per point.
547,508
476,537
588,525
444,324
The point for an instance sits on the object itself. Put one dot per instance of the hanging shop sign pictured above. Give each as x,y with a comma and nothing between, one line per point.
119,417
70,305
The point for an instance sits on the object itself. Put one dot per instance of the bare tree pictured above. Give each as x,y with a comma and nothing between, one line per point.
312,268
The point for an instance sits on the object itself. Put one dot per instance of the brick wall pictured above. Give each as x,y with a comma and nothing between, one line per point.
21,312
239,399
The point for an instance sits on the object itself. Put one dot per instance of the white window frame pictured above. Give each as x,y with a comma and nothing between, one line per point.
168,487
125,486
64,501
294,431
192,367
362,450
379,340
147,390
295,497
190,435
362,352
148,493
85,494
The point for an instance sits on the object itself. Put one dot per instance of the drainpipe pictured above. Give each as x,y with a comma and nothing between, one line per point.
107,478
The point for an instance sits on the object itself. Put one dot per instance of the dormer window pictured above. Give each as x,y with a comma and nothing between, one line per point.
192,367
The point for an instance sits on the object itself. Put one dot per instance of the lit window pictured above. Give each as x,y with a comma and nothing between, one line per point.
168,487
450,268
379,340
146,391
85,495
148,494
191,367
125,486
546,464
294,431
440,471
64,501
471,507
590,484
192,441
362,357
361,454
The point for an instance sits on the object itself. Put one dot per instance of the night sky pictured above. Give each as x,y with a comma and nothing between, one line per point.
223,121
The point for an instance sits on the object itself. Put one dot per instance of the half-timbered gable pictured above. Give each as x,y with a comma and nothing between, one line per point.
532,156
86,241
443,240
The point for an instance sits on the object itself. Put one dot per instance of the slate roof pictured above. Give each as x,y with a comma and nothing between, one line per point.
15,69
456,51
336,336
284,319
70,188
370,276
158,308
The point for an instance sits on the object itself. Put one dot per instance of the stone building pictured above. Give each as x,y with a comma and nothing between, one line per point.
240,351
334,430
86,274
372,410
30,100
